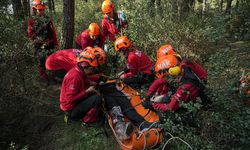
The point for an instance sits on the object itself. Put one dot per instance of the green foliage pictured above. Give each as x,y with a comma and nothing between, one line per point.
222,125
78,137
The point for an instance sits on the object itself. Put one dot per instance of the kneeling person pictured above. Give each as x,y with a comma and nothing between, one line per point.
78,97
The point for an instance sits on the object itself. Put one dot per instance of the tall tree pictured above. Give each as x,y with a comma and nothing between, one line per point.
21,8
51,5
184,7
229,6
204,5
221,5
68,23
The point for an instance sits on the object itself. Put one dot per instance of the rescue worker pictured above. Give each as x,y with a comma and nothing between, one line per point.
79,98
112,22
138,65
187,77
62,61
90,37
42,34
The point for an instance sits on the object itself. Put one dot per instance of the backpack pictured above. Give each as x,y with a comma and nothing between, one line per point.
197,69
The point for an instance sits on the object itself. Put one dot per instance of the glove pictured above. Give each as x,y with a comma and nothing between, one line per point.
147,104
106,48
157,99
92,89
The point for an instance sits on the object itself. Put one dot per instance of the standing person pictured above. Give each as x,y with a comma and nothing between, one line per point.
42,33
138,65
112,22
90,37
78,97
187,78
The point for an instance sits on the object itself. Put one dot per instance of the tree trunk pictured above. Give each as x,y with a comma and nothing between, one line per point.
26,7
21,8
221,5
204,5
17,8
184,7
237,4
68,23
51,5
229,6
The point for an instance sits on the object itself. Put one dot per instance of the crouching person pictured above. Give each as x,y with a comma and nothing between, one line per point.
78,97
138,64
187,78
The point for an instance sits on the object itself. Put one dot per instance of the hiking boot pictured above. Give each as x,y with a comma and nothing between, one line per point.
124,130
129,128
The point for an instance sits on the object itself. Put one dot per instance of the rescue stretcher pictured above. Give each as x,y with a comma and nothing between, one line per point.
139,140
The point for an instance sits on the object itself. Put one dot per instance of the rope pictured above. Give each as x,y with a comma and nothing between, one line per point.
145,141
148,129
158,137
175,137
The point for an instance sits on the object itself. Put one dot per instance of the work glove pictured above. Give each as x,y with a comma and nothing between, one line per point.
122,76
157,99
106,48
92,89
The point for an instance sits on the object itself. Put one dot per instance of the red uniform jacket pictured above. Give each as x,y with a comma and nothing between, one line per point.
73,88
159,86
84,40
180,95
137,62
112,28
63,59
50,34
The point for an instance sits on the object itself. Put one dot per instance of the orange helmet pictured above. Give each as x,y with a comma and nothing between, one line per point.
107,6
94,29
99,54
165,50
167,64
35,3
122,42
86,56
40,7
38,4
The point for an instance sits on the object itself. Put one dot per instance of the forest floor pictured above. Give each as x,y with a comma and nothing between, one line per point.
39,124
